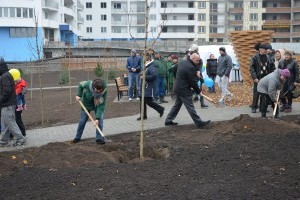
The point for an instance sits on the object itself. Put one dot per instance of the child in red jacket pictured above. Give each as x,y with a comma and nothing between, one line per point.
21,89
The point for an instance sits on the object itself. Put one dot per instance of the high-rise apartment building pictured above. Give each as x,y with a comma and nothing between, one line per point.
53,20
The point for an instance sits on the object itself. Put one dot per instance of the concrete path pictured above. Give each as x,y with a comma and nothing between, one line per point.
39,137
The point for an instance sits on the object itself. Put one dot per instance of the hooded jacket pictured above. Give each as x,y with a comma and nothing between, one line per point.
85,92
7,87
270,84
151,76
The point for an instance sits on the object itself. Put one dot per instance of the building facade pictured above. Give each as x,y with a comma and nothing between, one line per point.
27,25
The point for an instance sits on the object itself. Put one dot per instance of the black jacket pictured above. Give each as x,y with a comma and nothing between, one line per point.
7,87
186,79
211,67
256,69
151,76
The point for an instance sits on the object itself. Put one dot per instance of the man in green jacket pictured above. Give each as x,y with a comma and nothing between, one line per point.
93,95
161,78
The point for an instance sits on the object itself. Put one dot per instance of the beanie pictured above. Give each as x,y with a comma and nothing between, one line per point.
264,46
222,49
193,47
287,52
285,73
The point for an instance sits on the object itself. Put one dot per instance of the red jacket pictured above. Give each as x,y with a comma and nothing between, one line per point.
20,85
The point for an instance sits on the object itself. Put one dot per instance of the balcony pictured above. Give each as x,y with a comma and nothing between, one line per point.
236,10
120,11
295,34
278,10
184,10
296,22
236,22
217,35
282,35
48,23
80,6
296,9
50,5
216,23
277,24
175,35
80,19
178,22
120,23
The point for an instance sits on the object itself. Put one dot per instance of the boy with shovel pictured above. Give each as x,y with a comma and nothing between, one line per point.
93,96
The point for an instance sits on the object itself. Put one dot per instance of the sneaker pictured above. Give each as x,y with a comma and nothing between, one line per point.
288,109
100,141
222,103
161,113
230,96
76,140
204,106
130,99
3,143
137,99
253,110
19,142
203,123
171,123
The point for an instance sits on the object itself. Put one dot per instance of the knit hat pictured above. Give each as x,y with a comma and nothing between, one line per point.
133,50
285,73
264,46
222,49
287,52
193,47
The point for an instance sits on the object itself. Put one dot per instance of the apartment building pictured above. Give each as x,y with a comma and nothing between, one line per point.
24,21
283,17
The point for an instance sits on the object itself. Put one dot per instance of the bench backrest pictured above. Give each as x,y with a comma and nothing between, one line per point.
119,81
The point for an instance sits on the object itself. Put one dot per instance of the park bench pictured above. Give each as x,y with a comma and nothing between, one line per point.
121,87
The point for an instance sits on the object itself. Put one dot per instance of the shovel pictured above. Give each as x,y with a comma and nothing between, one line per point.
91,118
276,105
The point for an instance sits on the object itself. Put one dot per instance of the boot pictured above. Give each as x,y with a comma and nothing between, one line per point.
202,102
162,99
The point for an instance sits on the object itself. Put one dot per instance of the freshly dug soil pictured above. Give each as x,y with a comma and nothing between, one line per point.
244,158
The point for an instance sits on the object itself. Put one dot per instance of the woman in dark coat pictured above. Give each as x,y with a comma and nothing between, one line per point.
211,70
289,85
150,77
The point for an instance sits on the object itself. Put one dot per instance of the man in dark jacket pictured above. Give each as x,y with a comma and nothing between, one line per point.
211,70
8,103
150,77
185,80
223,71
261,65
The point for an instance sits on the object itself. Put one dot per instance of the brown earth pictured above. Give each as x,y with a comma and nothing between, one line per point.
244,158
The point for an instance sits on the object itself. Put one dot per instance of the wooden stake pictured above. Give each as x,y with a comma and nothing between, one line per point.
276,105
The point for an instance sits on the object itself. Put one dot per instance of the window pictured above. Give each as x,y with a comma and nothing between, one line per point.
30,12
238,4
140,29
164,17
21,32
275,5
12,12
238,17
201,29
174,29
89,29
117,18
103,4
163,4
88,5
117,6
0,12
152,17
19,14
213,19
253,28
174,17
202,5
201,17
191,17
116,29
103,17
164,29
174,5
88,17
25,13
103,30
253,17
274,17
190,4
213,30
153,5
213,7
153,29
6,12
238,28
253,4
191,29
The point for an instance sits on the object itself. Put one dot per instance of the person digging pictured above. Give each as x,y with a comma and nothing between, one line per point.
93,95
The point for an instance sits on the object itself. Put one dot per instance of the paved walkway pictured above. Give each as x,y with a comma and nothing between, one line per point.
39,137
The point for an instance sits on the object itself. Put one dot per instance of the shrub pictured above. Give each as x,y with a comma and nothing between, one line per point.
112,74
99,71
64,77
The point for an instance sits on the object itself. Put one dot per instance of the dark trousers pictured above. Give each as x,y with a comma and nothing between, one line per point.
265,101
149,101
189,105
255,97
287,95
20,123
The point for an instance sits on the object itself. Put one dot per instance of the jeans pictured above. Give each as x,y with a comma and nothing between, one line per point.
160,87
83,119
133,78
21,99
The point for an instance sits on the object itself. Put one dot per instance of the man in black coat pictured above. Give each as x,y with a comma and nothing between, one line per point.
8,106
185,80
